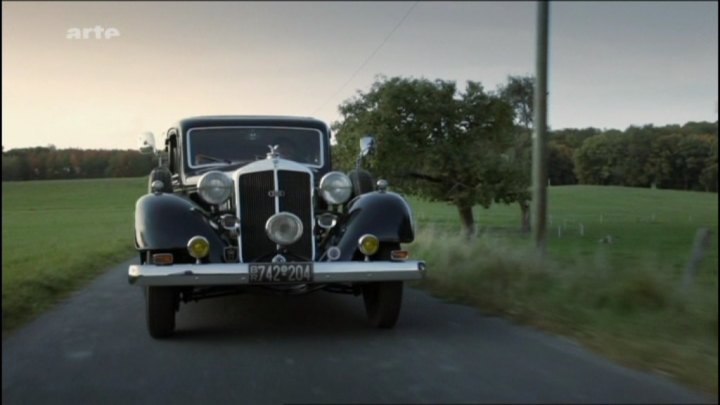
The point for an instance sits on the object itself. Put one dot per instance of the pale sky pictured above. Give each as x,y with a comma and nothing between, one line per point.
611,64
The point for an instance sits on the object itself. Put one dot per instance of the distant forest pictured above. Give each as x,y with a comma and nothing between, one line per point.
671,157
49,163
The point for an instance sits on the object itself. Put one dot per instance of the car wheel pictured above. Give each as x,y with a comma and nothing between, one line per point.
160,305
162,174
383,299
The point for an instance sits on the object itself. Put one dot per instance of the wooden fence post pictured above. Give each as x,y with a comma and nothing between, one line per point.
702,242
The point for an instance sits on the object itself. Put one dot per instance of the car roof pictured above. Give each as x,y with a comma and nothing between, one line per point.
217,120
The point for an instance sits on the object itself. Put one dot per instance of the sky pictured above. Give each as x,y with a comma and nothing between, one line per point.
611,64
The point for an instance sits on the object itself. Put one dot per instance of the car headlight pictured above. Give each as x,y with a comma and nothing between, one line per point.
214,187
284,228
335,187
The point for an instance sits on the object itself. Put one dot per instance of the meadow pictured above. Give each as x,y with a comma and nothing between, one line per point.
623,299
57,235
646,225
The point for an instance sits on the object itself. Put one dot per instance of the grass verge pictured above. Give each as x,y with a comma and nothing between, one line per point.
637,316
57,236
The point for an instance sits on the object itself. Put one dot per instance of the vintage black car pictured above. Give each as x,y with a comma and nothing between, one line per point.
250,204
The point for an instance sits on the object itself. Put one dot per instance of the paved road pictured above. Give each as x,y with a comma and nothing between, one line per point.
93,349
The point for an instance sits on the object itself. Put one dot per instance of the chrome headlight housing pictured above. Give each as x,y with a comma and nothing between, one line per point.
284,228
335,187
214,187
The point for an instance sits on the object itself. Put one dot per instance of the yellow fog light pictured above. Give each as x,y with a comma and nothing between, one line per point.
368,244
198,247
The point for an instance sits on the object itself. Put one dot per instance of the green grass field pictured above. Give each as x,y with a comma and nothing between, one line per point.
647,226
621,299
57,235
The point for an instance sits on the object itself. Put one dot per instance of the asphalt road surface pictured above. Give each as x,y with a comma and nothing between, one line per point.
93,349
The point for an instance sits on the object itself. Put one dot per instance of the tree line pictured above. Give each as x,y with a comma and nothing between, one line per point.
50,163
671,157
473,146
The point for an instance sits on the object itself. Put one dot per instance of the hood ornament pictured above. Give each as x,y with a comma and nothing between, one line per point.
273,151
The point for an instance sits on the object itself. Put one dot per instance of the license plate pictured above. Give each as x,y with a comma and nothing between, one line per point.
281,272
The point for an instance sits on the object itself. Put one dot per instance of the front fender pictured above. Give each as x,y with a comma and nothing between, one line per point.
166,222
384,214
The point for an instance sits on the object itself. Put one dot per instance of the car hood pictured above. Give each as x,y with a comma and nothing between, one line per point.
192,179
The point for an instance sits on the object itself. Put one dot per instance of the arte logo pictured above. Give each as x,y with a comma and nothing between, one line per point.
97,32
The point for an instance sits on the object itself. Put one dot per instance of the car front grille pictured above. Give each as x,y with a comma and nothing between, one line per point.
257,205
297,201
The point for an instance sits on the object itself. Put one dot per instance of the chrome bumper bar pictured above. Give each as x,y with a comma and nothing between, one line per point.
237,273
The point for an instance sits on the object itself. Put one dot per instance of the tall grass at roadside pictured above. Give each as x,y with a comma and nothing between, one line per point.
639,316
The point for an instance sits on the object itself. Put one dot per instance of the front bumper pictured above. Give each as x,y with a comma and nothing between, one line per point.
237,273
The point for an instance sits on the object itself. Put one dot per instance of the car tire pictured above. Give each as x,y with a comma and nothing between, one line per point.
162,174
383,300
160,306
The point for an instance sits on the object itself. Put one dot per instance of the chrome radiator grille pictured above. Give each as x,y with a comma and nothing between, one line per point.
297,201
257,205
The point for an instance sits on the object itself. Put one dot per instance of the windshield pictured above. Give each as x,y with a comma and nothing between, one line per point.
224,145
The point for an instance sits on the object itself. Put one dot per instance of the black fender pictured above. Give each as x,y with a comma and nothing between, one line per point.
166,221
384,214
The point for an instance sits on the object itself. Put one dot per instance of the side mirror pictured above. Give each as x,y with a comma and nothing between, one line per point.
366,145
146,143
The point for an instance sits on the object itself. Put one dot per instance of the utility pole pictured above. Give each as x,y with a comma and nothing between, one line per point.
539,155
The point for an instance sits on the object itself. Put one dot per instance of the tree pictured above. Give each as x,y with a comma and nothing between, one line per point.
572,137
431,140
561,165
700,128
36,158
518,92
600,159
709,175
515,169
12,168
665,163
638,152
695,151
680,161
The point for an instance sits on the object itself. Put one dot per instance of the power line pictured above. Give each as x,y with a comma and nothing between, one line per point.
365,62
